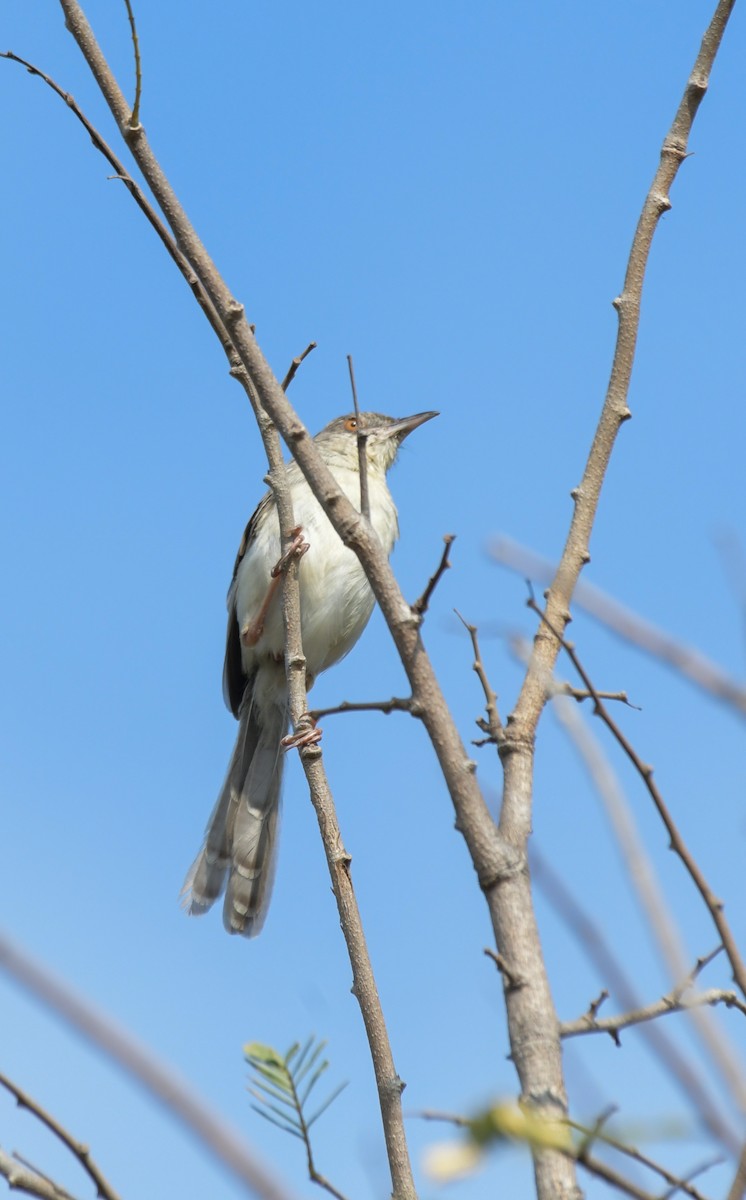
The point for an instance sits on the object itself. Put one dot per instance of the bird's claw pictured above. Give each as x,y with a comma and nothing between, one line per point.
297,548
302,737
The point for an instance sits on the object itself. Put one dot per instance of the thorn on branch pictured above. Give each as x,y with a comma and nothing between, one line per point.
512,982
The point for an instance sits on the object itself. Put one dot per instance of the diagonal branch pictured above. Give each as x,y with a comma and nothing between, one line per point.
670,1003
686,660
159,1080
714,906
103,1188
615,409
21,1178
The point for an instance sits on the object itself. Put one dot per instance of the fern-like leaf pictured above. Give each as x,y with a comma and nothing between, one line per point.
282,1085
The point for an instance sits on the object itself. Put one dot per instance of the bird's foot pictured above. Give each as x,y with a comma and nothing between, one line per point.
296,549
305,735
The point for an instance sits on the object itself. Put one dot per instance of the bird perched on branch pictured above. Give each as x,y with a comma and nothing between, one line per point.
335,602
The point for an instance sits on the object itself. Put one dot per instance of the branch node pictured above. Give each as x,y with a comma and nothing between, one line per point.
511,981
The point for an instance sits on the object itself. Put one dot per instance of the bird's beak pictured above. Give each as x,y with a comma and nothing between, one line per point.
404,425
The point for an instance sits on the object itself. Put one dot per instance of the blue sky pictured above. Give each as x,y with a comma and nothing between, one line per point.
449,195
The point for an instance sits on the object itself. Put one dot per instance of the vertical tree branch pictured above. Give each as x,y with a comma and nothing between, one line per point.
499,856
531,1017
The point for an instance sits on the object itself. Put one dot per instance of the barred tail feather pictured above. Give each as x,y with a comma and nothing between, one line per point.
241,837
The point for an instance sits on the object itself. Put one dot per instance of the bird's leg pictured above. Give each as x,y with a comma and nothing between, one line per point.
252,632
298,546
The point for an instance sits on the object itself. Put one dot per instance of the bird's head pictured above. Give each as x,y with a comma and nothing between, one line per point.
383,436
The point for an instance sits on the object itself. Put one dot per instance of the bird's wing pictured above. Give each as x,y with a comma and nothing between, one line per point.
234,677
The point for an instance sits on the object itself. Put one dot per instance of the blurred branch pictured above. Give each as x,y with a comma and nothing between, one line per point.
503,1122
103,1188
593,943
532,1020
648,890
135,119
159,1081
645,771
21,1178
737,1189
683,659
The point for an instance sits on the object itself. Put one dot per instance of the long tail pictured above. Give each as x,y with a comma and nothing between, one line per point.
241,836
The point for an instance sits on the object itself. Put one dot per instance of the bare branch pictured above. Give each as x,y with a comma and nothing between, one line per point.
395,704
677,844
295,364
493,725
596,947
135,119
626,624
737,1189
671,1003
647,888
21,1178
420,606
159,1081
676,1182
76,1148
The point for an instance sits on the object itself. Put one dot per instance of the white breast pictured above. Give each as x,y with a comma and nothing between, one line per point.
336,599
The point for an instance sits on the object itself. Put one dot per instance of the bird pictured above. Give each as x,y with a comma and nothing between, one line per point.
240,845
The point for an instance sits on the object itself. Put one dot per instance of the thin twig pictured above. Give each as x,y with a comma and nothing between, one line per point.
295,364
579,694
647,888
677,843
135,118
669,1003
395,704
687,661
703,961
595,945
493,726
362,446
675,1181
121,173
76,1148
160,1081
420,606
24,1179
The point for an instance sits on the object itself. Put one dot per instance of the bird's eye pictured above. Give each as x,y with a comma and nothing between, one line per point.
351,424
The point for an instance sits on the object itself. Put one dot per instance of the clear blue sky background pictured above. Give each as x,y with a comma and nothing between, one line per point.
448,193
